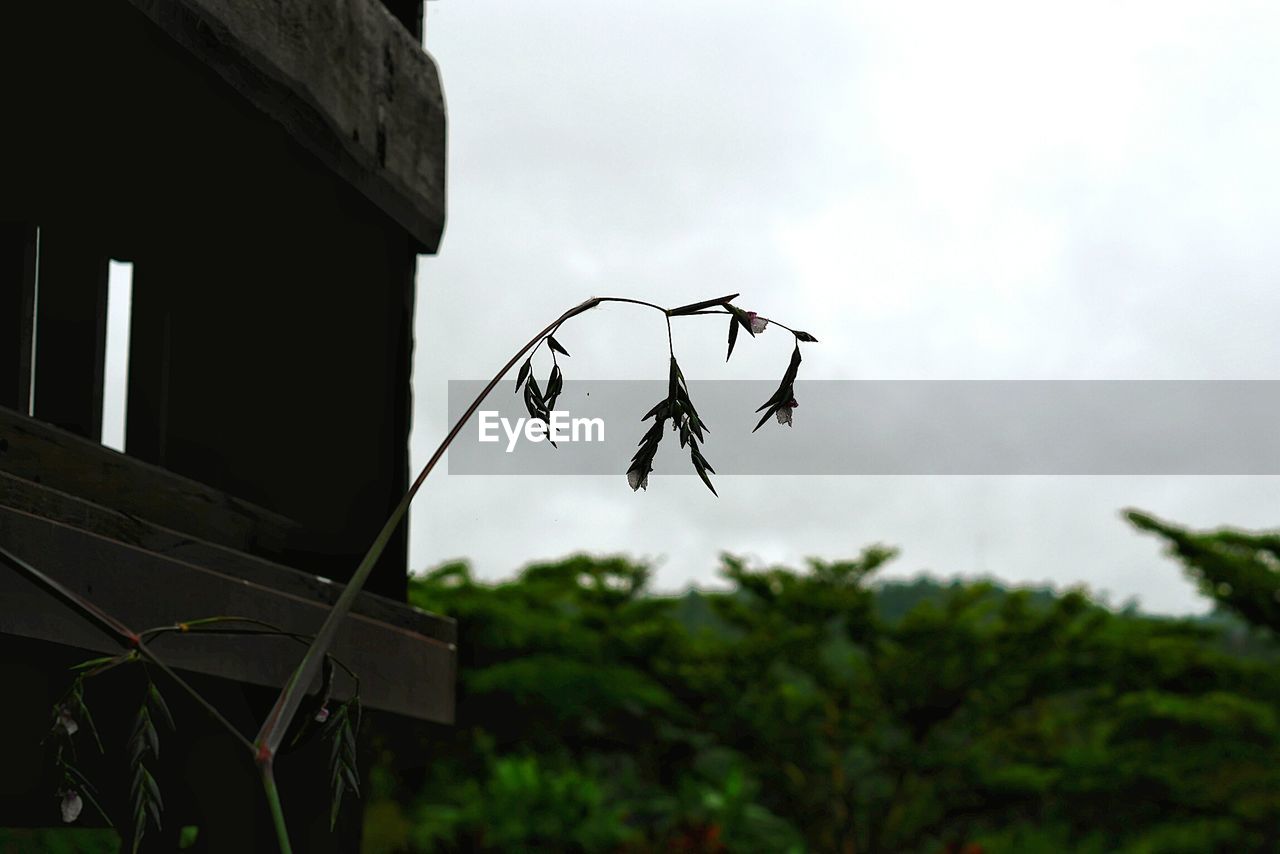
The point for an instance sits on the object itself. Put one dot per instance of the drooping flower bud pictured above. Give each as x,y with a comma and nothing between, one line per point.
71,805
757,322
67,721
636,480
784,411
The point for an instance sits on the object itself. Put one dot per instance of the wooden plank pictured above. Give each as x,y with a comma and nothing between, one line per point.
28,497
401,671
46,455
345,79
17,305
71,330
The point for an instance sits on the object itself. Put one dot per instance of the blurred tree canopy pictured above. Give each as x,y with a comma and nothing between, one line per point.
818,710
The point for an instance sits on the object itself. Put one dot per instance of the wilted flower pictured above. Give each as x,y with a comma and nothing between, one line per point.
637,480
71,805
67,721
757,322
322,715
784,411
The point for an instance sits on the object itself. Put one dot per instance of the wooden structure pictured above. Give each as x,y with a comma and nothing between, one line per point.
272,169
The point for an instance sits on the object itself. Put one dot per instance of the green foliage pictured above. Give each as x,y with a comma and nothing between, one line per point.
340,728
1239,570
60,841
817,710
522,803
144,745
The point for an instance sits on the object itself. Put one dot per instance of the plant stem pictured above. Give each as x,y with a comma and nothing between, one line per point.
281,716
277,812
272,732
207,626
118,631
87,609
761,316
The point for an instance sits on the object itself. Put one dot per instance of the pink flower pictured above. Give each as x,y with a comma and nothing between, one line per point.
67,721
322,715
757,322
784,411
71,805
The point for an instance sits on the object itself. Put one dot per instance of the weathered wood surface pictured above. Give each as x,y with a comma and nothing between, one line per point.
17,299
344,78
46,455
406,664
38,500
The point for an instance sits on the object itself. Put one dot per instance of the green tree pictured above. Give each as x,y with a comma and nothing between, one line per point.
819,710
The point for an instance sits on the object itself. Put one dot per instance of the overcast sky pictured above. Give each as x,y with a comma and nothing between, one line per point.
942,191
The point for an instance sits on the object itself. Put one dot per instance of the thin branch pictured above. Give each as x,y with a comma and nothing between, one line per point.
761,316
119,632
277,812
263,629
87,609
286,706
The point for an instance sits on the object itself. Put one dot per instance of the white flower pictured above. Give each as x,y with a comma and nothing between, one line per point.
71,805
757,322
67,722
636,480
784,412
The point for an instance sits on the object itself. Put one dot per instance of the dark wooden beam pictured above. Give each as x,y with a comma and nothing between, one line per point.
17,307
401,670
38,500
46,455
348,82
71,330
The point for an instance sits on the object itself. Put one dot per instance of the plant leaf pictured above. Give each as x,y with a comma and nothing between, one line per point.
695,307
157,701
86,791
772,409
701,469
733,336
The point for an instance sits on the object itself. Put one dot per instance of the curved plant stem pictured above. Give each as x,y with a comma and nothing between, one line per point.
277,722
277,812
209,626
286,706
762,317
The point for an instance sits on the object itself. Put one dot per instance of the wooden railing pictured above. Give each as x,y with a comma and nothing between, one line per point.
153,548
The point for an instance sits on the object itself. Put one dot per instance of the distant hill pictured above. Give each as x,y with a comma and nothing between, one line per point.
896,598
